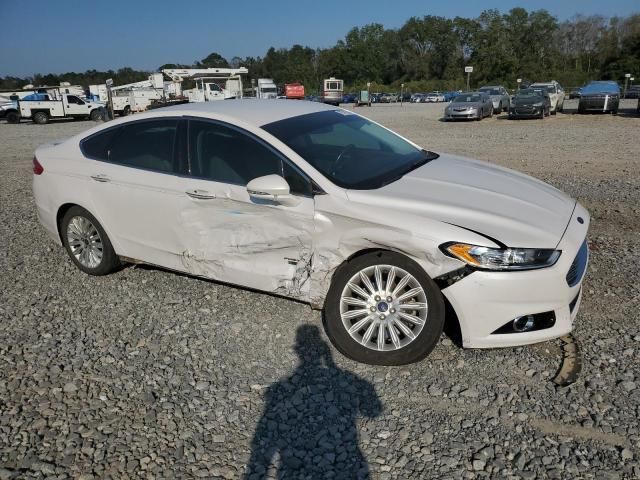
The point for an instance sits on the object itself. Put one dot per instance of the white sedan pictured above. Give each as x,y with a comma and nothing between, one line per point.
319,204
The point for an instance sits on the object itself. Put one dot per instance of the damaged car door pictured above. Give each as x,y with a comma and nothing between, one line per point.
260,239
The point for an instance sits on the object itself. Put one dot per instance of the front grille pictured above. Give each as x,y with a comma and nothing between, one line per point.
579,265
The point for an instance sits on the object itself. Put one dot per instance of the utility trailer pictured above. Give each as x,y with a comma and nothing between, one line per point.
53,104
208,82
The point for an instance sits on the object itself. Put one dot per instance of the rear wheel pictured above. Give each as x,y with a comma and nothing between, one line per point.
40,118
383,309
87,243
126,111
13,117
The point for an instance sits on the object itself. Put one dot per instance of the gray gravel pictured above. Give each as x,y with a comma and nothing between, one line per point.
149,374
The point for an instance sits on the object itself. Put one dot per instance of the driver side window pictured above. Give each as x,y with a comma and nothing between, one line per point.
223,154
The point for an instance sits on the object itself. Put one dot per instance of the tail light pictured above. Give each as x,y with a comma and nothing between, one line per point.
37,168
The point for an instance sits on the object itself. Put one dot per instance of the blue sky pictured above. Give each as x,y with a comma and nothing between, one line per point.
49,36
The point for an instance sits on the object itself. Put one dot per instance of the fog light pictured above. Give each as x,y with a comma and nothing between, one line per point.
523,324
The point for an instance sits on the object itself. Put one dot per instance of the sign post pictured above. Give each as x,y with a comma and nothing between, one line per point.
401,93
519,80
109,84
627,76
468,71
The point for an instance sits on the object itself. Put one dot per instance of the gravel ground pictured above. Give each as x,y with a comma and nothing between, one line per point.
149,374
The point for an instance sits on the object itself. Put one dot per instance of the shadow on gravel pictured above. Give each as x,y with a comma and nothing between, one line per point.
308,427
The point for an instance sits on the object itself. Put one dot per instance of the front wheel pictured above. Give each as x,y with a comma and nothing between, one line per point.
96,115
383,309
40,118
87,243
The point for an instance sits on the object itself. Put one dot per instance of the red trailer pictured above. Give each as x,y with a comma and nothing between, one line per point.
294,91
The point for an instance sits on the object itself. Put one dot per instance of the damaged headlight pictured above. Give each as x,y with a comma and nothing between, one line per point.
502,258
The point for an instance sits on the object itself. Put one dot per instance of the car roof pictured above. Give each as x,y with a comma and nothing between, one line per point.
252,111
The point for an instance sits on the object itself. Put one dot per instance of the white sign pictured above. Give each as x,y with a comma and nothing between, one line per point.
519,80
627,75
109,82
468,69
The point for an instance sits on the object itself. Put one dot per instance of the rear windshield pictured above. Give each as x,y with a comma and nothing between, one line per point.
349,150
600,88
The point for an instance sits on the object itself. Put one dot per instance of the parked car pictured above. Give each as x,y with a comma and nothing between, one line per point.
418,98
601,96
349,98
530,103
469,105
320,204
434,97
448,96
575,93
633,92
389,98
556,94
499,97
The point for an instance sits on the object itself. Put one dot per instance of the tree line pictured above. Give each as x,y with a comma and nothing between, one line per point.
431,52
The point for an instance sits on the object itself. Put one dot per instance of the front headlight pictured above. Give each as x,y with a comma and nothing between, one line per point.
501,258
537,104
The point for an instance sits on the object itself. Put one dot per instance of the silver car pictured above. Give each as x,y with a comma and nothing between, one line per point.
469,105
499,97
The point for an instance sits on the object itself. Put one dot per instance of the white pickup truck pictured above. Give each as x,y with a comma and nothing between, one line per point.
40,111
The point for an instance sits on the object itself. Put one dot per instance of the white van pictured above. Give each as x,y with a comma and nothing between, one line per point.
332,91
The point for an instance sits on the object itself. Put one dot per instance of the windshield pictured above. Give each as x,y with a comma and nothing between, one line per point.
491,91
529,93
601,87
349,150
466,98
268,89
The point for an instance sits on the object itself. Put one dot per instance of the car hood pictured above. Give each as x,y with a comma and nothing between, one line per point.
501,204
528,100
465,105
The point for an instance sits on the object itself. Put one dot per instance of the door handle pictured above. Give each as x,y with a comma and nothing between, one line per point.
101,177
200,194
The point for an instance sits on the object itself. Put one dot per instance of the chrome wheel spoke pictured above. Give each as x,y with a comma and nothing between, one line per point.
394,335
412,306
378,277
356,288
401,284
410,294
381,334
391,276
366,338
356,302
404,329
411,318
367,283
355,313
356,327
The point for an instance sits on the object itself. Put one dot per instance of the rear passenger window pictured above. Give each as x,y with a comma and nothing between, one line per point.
145,144
97,146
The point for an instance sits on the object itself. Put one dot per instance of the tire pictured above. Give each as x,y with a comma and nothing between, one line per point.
542,114
96,115
126,111
13,117
401,345
82,234
561,107
41,118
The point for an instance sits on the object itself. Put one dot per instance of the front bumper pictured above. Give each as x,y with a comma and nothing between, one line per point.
525,112
453,115
486,301
599,104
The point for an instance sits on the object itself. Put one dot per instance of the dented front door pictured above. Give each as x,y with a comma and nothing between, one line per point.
229,237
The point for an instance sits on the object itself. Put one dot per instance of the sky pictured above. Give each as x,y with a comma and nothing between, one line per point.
57,36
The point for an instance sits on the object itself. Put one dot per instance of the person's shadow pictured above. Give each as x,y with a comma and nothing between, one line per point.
308,427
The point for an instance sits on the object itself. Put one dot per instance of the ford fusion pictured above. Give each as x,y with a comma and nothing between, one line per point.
319,204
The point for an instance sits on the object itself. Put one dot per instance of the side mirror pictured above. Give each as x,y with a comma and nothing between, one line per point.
269,187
